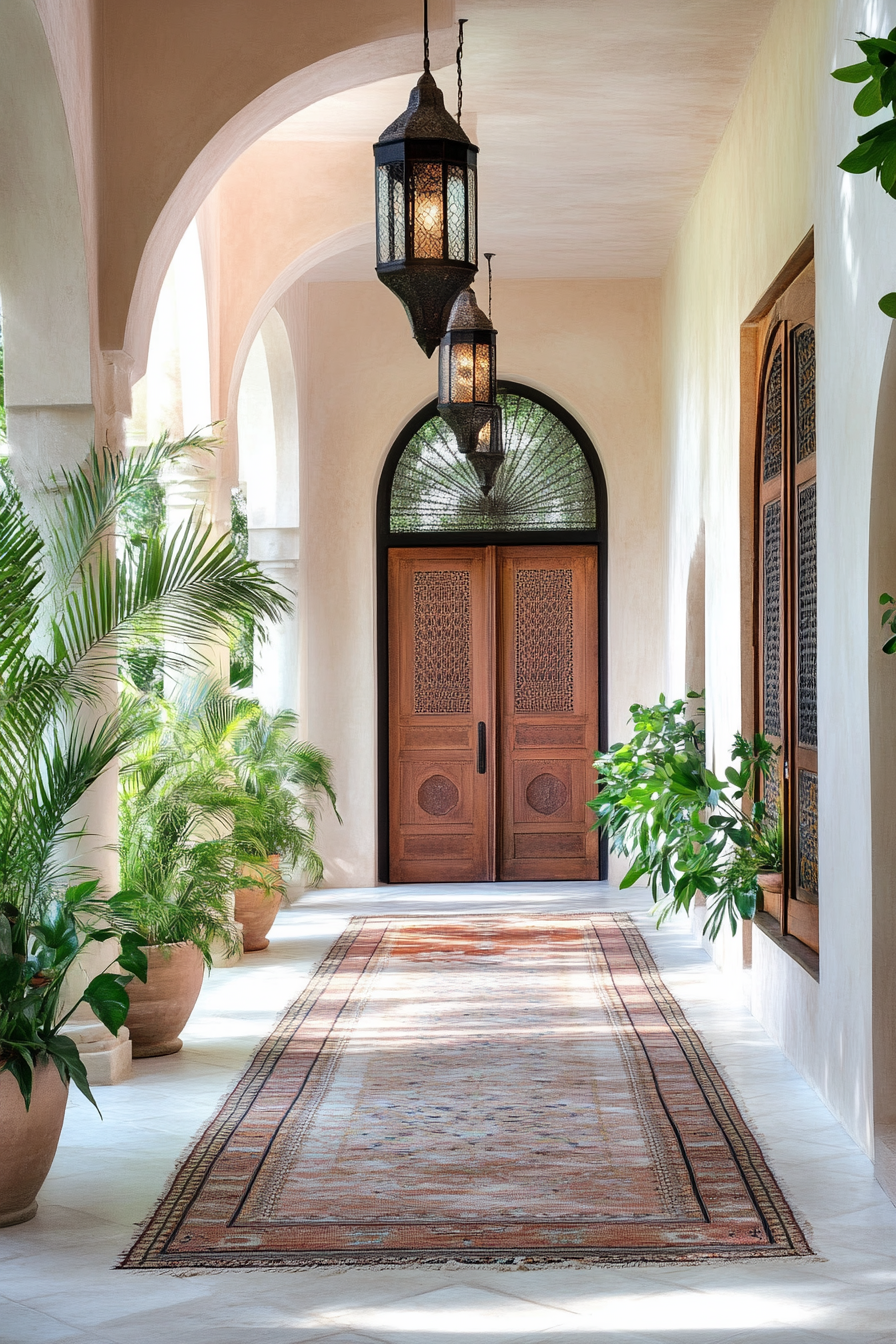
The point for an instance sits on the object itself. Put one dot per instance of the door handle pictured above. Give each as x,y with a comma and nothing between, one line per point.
481,753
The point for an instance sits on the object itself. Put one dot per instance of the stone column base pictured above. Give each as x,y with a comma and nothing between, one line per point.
106,1058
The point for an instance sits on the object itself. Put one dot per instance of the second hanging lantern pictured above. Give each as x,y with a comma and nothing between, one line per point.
468,387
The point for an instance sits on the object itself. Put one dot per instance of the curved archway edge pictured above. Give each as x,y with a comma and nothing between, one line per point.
349,69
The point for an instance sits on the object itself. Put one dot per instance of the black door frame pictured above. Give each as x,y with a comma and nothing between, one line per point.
386,541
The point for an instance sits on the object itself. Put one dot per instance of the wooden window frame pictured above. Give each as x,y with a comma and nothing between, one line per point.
773,325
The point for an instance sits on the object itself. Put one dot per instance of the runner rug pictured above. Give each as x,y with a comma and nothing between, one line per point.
499,1088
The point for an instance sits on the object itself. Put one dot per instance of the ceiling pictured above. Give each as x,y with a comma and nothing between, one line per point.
596,119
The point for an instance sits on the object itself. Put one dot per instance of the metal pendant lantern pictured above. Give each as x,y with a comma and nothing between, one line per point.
468,386
426,209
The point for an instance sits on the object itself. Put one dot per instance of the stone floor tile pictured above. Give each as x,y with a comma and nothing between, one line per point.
20,1324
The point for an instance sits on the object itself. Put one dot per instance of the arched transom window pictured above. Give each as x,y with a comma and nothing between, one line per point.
545,482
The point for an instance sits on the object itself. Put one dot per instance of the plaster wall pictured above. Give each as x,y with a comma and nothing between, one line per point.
592,345
773,178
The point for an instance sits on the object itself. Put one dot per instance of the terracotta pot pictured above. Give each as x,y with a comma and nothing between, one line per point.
771,886
256,910
159,1009
30,1139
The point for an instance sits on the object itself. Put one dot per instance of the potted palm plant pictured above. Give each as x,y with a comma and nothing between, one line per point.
179,863
287,779
68,603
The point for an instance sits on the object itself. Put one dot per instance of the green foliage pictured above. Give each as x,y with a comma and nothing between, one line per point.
242,644
34,962
889,619
288,778
207,795
68,603
875,151
141,517
660,804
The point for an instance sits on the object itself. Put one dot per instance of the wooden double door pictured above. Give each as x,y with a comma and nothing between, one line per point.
493,713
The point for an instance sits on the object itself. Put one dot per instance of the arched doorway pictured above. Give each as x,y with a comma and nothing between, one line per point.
491,781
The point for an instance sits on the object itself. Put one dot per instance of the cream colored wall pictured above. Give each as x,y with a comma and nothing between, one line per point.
773,177
595,347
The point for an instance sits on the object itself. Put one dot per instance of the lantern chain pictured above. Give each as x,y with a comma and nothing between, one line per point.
426,36
488,257
460,78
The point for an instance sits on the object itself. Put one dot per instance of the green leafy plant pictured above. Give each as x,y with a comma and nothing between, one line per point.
661,805
288,779
242,644
876,149
69,600
888,619
186,828
34,962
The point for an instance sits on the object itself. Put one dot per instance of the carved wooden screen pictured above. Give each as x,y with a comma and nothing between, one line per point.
786,551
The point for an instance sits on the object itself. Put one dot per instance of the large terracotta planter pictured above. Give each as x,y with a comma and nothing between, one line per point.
28,1140
256,910
160,1009
772,887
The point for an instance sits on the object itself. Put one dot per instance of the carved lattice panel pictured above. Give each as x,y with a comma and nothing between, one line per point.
806,617
771,791
771,618
426,211
773,431
543,621
442,642
808,831
805,393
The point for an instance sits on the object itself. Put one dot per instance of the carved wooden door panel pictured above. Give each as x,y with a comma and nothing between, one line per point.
441,715
548,702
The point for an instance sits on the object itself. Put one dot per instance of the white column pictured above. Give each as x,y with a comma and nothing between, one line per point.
276,680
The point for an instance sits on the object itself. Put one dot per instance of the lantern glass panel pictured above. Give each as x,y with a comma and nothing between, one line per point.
471,217
457,213
461,371
483,371
427,208
489,431
390,212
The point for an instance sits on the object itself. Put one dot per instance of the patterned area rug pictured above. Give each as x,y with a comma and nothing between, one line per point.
498,1088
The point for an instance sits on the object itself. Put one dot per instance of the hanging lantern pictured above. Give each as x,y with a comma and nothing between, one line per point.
426,209
468,385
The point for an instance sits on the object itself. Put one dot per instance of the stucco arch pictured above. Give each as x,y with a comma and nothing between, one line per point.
43,270
882,708
347,69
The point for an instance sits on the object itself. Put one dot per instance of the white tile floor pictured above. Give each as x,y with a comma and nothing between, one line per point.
57,1284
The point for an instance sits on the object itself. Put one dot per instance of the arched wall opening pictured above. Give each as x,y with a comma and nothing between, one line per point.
268,449
882,708
564,531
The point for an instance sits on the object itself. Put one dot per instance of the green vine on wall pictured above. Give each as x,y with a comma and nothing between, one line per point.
876,149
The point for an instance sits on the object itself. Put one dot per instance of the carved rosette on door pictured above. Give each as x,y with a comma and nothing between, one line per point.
493,713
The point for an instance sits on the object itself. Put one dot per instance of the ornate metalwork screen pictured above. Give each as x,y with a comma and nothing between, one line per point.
545,482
